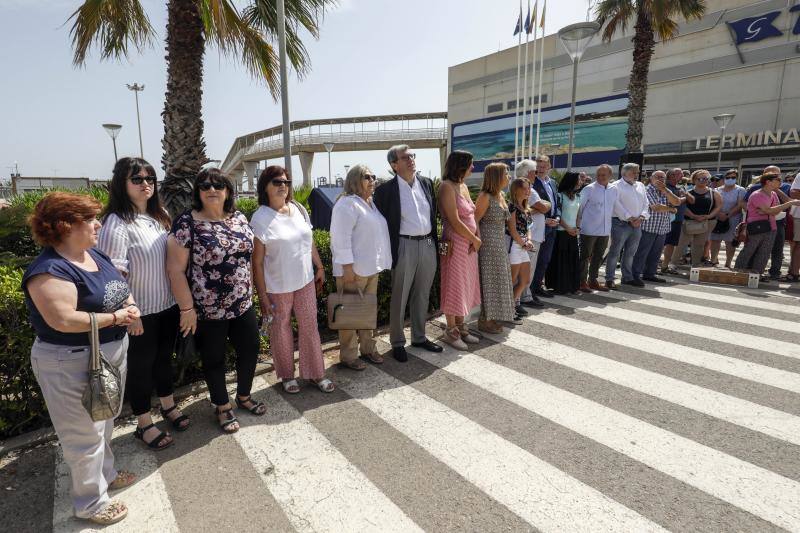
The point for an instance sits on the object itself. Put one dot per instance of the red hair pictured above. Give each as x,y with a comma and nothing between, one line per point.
56,213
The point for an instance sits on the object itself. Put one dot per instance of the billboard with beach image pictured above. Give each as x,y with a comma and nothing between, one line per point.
600,127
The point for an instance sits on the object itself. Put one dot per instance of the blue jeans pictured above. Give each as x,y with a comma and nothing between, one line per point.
648,255
623,235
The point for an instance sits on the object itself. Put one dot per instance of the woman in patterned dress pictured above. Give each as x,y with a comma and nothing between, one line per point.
491,213
460,283
215,242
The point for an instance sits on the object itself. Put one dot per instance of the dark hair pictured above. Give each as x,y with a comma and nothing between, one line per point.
214,175
267,175
457,165
55,214
767,177
119,203
567,184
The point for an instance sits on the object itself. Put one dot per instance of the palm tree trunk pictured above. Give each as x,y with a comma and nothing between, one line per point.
183,144
643,46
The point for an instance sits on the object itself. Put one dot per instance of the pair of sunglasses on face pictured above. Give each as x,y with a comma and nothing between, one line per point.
207,185
138,180
278,183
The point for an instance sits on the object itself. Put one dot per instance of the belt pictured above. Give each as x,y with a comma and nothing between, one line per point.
415,237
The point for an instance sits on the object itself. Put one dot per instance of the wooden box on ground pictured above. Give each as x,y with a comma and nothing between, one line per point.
724,277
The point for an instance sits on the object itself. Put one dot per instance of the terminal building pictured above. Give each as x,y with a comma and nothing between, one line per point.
742,58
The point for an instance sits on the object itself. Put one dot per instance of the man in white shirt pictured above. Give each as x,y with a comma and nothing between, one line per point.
527,169
794,261
408,204
630,210
594,223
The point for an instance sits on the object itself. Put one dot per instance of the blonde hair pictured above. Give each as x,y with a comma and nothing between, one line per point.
492,177
697,173
516,185
354,182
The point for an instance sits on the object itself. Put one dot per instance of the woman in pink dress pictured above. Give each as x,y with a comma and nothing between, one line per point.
460,282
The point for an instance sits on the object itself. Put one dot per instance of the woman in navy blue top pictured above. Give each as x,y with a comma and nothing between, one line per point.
68,281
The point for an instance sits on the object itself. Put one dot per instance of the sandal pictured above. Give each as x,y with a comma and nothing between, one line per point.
466,336
156,443
110,514
177,423
324,384
230,419
355,364
123,479
291,386
373,357
258,408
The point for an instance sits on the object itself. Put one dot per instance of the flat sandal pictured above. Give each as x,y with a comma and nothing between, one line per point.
230,419
258,408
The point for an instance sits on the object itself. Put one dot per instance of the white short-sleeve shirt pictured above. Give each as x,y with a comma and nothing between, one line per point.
359,236
287,243
537,218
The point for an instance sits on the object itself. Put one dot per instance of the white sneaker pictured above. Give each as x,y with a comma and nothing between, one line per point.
453,338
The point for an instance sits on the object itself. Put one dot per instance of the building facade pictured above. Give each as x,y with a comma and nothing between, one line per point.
742,58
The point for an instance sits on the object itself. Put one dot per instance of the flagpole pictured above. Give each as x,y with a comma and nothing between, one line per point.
541,75
525,84
519,68
533,75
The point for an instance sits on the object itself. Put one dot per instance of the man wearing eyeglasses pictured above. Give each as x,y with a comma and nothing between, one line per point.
407,203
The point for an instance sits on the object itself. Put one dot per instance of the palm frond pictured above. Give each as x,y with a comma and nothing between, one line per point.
113,25
664,13
614,15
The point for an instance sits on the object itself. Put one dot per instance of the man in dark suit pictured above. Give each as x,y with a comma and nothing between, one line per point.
547,189
408,204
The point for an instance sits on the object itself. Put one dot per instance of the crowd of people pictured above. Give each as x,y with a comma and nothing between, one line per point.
149,281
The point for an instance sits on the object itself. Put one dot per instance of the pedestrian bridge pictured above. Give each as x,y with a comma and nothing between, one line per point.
347,134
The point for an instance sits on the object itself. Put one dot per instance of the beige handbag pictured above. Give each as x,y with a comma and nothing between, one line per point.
103,395
352,311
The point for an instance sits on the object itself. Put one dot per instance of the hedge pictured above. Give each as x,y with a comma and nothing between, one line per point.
21,405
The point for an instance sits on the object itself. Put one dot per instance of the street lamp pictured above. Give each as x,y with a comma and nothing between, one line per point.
329,149
284,78
722,121
346,170
113,131
136,88
575,38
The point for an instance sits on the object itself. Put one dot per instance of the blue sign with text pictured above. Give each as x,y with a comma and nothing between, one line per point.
754,29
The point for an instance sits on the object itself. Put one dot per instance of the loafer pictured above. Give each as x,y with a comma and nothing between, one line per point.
399,353
595,286
520,311
428,345
584,287
633,282
534,303
654,279
610,285
543,293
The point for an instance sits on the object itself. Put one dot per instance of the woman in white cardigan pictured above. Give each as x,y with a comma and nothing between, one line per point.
361,250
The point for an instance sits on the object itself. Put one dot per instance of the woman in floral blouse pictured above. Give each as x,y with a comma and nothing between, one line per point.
212,245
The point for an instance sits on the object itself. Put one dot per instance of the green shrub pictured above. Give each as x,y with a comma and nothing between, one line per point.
247,206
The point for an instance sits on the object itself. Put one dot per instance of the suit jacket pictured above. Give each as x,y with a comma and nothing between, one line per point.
539,187
387,200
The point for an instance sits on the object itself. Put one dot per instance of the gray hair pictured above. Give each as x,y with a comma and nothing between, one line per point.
392,156
607,167
630,166
541,158
354,182
676,170
659,174
524,167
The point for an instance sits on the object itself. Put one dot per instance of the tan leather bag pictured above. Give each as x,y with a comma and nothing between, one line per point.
352,311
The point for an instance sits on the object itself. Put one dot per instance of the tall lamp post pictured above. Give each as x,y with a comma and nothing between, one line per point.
575,38
287,146
722,121
329,149
113,131
136,88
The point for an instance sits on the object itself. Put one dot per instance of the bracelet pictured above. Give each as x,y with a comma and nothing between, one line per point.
184,311
113,319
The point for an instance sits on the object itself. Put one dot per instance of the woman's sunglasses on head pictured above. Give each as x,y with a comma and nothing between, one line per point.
138,180
206,186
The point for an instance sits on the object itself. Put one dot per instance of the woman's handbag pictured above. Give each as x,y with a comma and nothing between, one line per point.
758,227
352,311
103,395
695,227
722,226
445,247
740,235
185,349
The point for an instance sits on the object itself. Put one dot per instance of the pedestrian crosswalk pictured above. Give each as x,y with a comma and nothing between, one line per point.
622,411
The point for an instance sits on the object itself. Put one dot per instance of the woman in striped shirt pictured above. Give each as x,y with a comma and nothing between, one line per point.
134,236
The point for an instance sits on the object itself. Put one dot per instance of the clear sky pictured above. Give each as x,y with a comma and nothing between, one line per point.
373,57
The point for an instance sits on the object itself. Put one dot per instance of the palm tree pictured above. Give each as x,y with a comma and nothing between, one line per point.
652,16
246,34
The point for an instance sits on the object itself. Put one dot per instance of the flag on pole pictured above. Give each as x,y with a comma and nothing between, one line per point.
519,23
544,7
528,26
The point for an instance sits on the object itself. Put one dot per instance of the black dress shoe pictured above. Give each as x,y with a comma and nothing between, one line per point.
535,303
654,279
428,345
399,353
543,293
633,282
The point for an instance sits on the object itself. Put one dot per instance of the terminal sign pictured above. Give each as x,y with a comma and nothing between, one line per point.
743,140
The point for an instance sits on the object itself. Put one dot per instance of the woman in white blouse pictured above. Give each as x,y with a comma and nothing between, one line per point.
361,250
134,236
284,258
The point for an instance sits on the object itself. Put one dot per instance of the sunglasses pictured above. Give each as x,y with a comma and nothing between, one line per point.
138,180
408,157
278,183
206,186
370,177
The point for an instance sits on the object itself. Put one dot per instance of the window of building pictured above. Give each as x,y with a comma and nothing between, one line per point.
494,108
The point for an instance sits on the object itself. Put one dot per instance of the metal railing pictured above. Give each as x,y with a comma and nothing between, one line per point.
360,137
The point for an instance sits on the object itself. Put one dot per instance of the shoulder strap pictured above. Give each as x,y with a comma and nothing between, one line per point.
302,211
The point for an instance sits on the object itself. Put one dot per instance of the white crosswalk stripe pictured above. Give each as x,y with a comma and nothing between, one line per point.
318,485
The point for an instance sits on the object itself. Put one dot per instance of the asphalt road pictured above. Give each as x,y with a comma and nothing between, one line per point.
672,407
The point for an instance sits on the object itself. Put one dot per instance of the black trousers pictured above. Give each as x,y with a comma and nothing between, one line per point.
211,340
776,257
150,359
